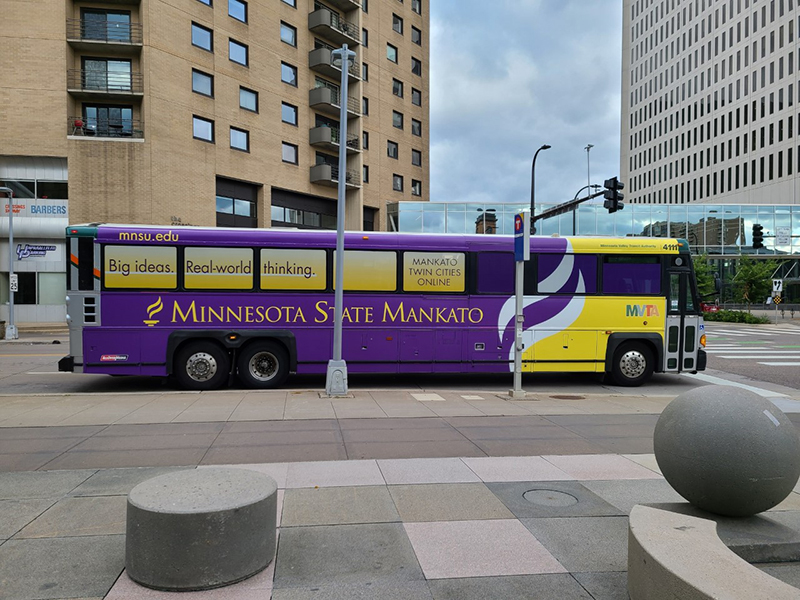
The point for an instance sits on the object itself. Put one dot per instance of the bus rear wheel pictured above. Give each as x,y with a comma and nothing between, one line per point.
263,365
632,365
202,366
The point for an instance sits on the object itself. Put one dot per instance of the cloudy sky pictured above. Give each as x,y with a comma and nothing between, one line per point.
510,75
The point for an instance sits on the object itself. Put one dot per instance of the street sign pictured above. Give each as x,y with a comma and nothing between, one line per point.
777,300
522,237
14,282
783,236
777,285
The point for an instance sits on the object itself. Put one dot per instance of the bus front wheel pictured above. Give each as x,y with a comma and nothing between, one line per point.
202,366
632,365
263,365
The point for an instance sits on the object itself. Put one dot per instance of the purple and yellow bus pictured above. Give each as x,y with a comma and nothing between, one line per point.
206,304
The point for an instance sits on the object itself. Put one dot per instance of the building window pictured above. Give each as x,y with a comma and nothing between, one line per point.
365,6
202,129
397,24
397,119
416,158
416,127
240,139
289,153
397,182
365,106
106,25
364,37
288,113
416,97
289,74
202,83
365,140
238,10
237,52
391,53
292,3
392,149
364,72
202,37
397,88
416,37
288,34
105,121
206,2
416,6
235,212
365,174
107,75
416,188
248,99
416,66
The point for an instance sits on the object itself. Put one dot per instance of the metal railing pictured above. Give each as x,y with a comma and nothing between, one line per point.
105,81
108,31
351,177
338,22
352,103
352,138
105,128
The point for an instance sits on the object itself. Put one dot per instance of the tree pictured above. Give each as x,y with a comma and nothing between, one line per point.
753,281
704,276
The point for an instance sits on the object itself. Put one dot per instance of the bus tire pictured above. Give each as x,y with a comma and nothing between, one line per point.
263,365
633,364
202,366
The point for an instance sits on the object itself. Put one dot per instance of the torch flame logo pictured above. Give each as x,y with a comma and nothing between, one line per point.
152,310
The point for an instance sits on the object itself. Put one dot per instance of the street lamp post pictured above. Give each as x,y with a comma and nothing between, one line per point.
533,184
336,379
575,208
11,328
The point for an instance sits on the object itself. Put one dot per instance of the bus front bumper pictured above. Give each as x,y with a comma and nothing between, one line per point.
702,358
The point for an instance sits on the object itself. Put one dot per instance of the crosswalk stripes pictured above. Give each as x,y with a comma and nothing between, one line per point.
731,346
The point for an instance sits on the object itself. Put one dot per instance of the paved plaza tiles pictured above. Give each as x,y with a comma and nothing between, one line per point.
543,527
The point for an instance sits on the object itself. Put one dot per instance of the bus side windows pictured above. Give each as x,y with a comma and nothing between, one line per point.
567,274
212,268
634,275
141,267
434,272
290,269
495,273
369,270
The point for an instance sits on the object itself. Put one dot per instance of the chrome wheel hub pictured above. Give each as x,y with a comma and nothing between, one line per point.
633,364
263,366
201,366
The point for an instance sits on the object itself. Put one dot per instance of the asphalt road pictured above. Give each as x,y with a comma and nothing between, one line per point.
30,367
768,353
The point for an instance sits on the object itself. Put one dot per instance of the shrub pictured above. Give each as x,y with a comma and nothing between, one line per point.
735,316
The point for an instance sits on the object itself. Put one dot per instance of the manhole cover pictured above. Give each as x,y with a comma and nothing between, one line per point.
550,498
566,397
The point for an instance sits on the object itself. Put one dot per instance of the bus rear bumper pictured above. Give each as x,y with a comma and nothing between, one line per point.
702,358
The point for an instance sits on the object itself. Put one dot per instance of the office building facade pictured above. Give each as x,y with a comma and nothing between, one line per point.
205,112
710,96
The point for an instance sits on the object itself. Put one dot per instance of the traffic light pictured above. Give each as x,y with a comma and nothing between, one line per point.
758,236
613,195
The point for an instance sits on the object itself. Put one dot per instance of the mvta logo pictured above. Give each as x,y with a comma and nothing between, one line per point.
641,310
152,310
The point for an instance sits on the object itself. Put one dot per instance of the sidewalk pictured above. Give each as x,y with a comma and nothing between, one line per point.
544,527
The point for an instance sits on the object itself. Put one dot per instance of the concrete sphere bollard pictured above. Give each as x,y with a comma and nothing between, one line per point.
200,529
727,450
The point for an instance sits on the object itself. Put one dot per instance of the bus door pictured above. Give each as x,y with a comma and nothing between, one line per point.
83,293
683,320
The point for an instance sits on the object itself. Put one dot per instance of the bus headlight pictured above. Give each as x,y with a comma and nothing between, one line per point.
703,340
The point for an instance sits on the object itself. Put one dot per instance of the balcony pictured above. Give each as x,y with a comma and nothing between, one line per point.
91,35
329,175
325,99
333,27
319,60
105,129
328,138
93,84
345,5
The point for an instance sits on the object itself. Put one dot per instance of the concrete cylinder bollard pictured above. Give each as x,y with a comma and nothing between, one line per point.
727,450
200,529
